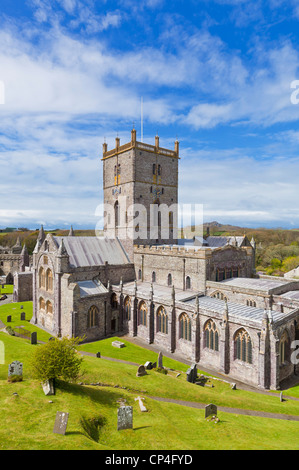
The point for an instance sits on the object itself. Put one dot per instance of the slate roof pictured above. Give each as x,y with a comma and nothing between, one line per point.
93,251
91,288
265,285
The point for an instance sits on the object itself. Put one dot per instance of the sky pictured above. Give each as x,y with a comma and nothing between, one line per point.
221,76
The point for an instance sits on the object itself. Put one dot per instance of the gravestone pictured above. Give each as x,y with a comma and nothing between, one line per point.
148,365
124,418
48,387
33,337
118,344
160,360
141,405
60,422
15,368
210,410
192,374
141,371
281,397
23,316
98,354
8,319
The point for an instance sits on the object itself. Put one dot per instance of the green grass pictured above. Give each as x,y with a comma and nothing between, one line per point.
165,426
6,289
14,309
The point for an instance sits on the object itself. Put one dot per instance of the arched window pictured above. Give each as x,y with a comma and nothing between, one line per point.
154,169
243,346
42,278
284,348
116,214
159,170
42,304
185,327
211,336
169,279
127,306
114,301
139,274
49,280
153,276
251,303
162,320
49,307
92,316
188,282
142,314
219,295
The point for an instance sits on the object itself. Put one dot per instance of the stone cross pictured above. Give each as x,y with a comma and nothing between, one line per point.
160,361
141,405
124,418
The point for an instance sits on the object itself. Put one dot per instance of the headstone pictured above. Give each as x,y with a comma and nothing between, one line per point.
8,318
33,337
148,365
23,316
194,369
141,405
141,371
154,365
48,387
21,307
124,418
189,374
98,354
234,386
60,422
15,368
160,360
118,344
210,410
281,397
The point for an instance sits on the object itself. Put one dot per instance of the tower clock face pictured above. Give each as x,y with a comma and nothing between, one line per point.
156,192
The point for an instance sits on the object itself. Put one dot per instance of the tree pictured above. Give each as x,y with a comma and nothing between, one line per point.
57,359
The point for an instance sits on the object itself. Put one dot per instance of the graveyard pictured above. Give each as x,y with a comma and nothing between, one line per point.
122,401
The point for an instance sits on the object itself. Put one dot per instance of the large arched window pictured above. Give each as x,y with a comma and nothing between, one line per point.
127,307
42,278
162,320
92,316
42,304
142,314
211,336
243,346
49,280
49,307
185,327
284,348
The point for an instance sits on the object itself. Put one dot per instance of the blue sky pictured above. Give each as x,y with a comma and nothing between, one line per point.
216,74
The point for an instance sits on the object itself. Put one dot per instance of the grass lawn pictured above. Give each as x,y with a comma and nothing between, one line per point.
14,309
6,289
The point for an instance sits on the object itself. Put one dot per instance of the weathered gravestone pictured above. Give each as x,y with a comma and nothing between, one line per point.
48,387
98,354
8,319
141,371
124,418
60,422
160,361
192,374
23,316
210,410
141,405
15,368
148,365
33,337
118,344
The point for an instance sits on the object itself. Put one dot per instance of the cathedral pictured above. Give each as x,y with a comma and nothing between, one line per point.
199,297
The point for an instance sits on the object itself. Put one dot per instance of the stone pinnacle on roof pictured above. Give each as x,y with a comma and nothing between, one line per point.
24,250
41,234
71,232
18,243
62,250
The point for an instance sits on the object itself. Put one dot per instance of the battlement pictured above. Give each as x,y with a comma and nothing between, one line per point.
173,250
141,146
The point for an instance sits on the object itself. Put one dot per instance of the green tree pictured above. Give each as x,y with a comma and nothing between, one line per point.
57,359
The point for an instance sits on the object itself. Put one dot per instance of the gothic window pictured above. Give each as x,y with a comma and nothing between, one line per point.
235,272
188,282
153,276
139,274
114,301
42,304
49,307
169,279
42,278
154,169
159,170
92,316
243,346
284,348
49,280
211,336
251,303
219,295
162,320
116,214
185,327
142,314
127,306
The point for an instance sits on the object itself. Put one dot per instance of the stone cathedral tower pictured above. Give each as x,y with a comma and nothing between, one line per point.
140,183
